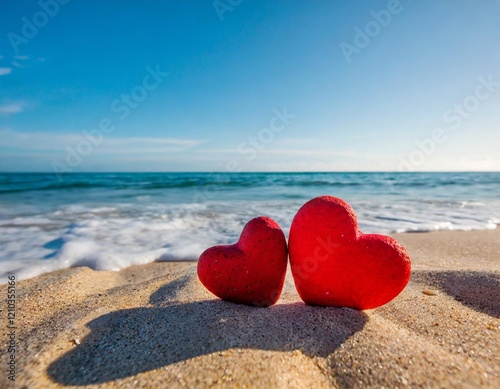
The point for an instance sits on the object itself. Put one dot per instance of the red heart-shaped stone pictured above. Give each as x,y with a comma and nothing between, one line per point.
253,270
335,264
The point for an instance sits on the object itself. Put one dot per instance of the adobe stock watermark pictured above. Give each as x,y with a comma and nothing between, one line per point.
454,117
324,249
363,37
223,6
122,107
30,27
254,144
249,149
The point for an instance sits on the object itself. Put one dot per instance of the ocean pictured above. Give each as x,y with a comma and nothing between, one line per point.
113,220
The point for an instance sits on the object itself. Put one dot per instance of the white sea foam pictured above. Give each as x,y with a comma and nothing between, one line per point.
114,237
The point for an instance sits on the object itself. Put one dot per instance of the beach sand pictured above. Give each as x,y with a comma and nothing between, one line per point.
156,326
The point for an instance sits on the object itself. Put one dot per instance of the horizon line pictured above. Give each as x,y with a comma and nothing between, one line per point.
253,172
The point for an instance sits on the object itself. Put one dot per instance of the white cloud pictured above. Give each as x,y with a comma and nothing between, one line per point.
154,142
57,142
5,71
297,141
293,152
10,108
25,61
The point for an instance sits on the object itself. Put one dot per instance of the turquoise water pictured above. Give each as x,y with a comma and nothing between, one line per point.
113,220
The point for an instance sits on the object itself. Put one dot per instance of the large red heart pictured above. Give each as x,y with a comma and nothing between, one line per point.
335,264
252,271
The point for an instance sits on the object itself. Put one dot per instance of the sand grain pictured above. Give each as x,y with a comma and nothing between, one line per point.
156,326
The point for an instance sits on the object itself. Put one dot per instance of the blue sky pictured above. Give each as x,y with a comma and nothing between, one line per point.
249,85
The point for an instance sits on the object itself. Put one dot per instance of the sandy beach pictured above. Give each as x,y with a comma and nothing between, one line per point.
156,326
137,135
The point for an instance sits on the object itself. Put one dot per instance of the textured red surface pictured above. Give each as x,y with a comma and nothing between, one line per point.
251,271
335,264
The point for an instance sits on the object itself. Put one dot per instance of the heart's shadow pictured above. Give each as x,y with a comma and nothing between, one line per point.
478,290
127,342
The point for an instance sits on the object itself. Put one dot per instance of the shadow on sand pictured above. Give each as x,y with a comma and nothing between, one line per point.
127,342
477,290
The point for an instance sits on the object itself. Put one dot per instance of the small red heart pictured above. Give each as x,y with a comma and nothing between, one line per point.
253,270
335,264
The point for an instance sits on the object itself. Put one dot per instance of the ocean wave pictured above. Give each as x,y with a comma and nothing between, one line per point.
110,238
54,186
110,221
393,182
